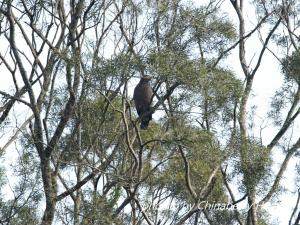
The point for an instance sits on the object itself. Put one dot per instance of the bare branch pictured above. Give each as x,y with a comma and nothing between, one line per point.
295,210
187,174
279,175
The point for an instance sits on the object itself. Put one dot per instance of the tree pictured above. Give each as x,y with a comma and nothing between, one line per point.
68,112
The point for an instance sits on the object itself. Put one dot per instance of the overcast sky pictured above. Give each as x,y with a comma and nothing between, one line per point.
268,79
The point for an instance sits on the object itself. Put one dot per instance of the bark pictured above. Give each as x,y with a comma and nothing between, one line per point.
50,190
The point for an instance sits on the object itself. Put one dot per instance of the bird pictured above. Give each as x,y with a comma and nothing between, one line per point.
142,97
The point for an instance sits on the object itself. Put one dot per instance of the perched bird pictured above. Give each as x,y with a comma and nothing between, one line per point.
142,97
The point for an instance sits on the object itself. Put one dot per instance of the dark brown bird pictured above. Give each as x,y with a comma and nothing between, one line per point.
142,97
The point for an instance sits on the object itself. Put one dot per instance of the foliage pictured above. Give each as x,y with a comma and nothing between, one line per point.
71,136
291,68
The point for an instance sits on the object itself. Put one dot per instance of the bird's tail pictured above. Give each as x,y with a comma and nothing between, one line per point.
144,124
145,121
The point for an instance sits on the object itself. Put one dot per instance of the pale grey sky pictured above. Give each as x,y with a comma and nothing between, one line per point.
268,79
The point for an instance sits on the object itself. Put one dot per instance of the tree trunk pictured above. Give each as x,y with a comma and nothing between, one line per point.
50,189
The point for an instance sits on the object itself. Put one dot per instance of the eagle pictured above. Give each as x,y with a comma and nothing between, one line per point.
142,97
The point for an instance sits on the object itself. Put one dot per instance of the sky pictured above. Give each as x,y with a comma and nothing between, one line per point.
268,79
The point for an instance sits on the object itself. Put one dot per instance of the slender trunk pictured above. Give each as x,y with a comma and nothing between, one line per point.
252,209
244,145
77,202
133,213
50,189
196,218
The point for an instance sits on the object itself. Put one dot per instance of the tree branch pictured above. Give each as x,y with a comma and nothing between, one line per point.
279,175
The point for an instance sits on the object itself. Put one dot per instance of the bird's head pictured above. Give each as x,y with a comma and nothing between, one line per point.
146,79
